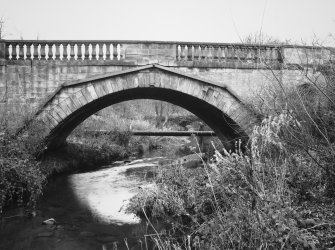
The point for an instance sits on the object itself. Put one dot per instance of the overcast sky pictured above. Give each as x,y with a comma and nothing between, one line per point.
170,20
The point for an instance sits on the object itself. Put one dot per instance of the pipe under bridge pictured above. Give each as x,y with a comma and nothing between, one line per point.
158,133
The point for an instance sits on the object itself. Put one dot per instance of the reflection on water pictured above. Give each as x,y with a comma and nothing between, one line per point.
89,210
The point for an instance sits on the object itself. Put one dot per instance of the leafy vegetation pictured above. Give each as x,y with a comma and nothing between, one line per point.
278,194
21,177
240,201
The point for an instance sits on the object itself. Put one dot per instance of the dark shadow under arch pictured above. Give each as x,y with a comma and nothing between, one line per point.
225,128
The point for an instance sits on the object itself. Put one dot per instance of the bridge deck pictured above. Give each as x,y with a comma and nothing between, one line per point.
173,133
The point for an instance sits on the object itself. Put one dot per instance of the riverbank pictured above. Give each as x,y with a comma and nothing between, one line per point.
23,178
273,196
88,209
24,175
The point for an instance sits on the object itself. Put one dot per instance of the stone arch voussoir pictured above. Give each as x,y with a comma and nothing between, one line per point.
72,98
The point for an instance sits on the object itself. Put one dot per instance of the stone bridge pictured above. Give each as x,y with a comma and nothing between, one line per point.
64,82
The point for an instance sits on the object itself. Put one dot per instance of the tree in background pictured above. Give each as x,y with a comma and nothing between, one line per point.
262,38
2,28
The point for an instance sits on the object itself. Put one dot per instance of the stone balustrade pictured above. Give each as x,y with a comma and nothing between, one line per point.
118,50
63,50
228,52
166,53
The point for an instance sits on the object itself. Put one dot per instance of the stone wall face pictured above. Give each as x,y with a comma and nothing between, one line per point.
216,106
26,85
26,79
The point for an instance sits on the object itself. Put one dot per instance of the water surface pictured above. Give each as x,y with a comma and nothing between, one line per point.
89,209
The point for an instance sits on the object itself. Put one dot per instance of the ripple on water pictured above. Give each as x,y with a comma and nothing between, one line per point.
106,193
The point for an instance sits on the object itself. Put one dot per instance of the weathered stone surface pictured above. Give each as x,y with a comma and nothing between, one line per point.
76,99
56,109
92,92
242,72
99,89
118,84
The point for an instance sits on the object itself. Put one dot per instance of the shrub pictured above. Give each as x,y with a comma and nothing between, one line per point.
238,201
21,180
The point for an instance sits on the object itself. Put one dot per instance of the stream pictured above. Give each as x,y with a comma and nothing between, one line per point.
89,209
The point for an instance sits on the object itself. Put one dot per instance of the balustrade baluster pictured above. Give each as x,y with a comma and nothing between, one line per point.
232,52
57,51
182,52
21,51
268,53
72,52
108,51
219,53
43,52
94,51
222,54
115,51
280,55
35,51
226,53
274,54
242,53
203,52
215,52
101,51
7,51
258,55
50,52
79,51
236,52
28,52
262,54
249,53
86,51
255,54
189,52
196,52
178,52
65,54
14,52
122,52
210,52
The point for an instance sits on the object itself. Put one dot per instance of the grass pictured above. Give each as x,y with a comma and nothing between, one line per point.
249,200
276,194
279,194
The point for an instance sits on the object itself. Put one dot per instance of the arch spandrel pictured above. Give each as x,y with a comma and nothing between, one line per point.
216,105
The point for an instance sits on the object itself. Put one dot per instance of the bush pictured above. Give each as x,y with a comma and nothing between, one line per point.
239,201
21,180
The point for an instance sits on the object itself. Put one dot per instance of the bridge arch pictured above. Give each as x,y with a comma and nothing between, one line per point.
215,104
